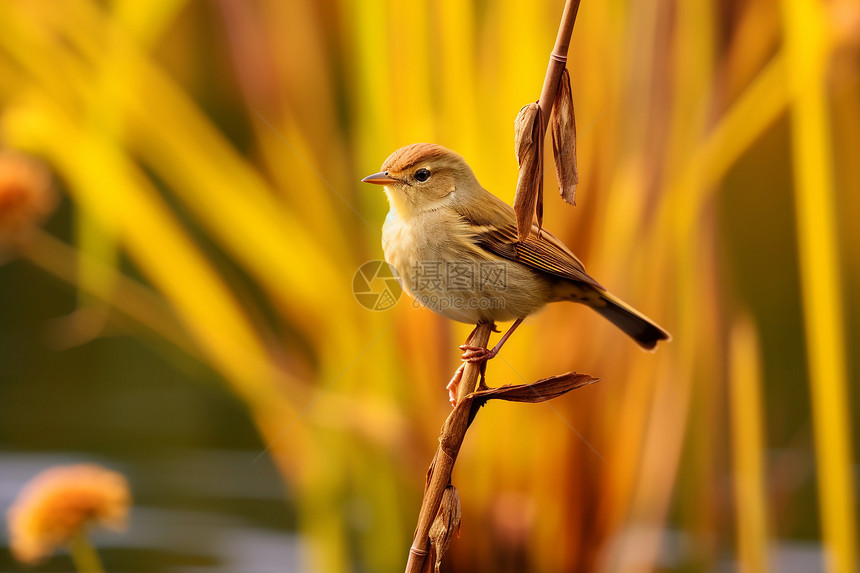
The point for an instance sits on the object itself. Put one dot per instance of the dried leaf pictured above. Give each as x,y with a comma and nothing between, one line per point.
446,524
564,140
539,391
539,203
529,148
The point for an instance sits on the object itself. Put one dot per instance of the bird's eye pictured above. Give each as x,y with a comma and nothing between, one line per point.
422,175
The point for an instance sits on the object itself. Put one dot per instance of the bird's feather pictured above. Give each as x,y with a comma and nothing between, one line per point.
495,229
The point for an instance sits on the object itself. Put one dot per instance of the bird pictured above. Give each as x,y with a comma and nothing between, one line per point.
454,246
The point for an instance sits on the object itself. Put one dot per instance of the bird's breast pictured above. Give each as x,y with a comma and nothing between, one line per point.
443,269
410,245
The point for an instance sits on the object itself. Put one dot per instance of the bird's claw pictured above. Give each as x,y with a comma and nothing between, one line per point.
476,353
454,384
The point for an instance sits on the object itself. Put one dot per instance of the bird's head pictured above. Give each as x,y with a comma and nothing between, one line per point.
423,176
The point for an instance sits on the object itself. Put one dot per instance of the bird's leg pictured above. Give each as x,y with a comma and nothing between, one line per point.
471,334
474,330
479,354
458,375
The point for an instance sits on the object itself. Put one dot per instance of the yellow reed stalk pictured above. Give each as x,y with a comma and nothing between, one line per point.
689,190
411,65
129,297
96,241
748,453
199,166
807,45
146,21
367,28
124,202
675,397
99,246
754,112
257,227
459,104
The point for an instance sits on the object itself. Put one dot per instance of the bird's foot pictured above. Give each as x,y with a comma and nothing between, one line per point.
476,353
454,385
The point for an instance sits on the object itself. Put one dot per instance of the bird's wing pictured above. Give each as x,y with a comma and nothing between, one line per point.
495,230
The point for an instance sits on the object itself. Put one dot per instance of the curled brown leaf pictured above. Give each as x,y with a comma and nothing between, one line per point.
540,391
564,140
446,524
528,141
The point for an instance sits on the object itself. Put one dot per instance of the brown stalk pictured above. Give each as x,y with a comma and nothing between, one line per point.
450,440
558,59
440,509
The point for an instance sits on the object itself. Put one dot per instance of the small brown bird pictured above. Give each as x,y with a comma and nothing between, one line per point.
455,247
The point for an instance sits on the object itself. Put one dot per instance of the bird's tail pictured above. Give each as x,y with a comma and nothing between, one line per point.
636,325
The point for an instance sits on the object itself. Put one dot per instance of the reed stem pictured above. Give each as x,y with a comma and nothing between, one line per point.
557,61
450,440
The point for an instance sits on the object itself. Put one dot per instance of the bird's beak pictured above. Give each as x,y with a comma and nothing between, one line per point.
380,178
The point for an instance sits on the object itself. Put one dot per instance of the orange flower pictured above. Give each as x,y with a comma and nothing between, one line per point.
59,503
26,194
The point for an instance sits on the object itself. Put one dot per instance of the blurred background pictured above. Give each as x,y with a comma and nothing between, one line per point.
177,304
